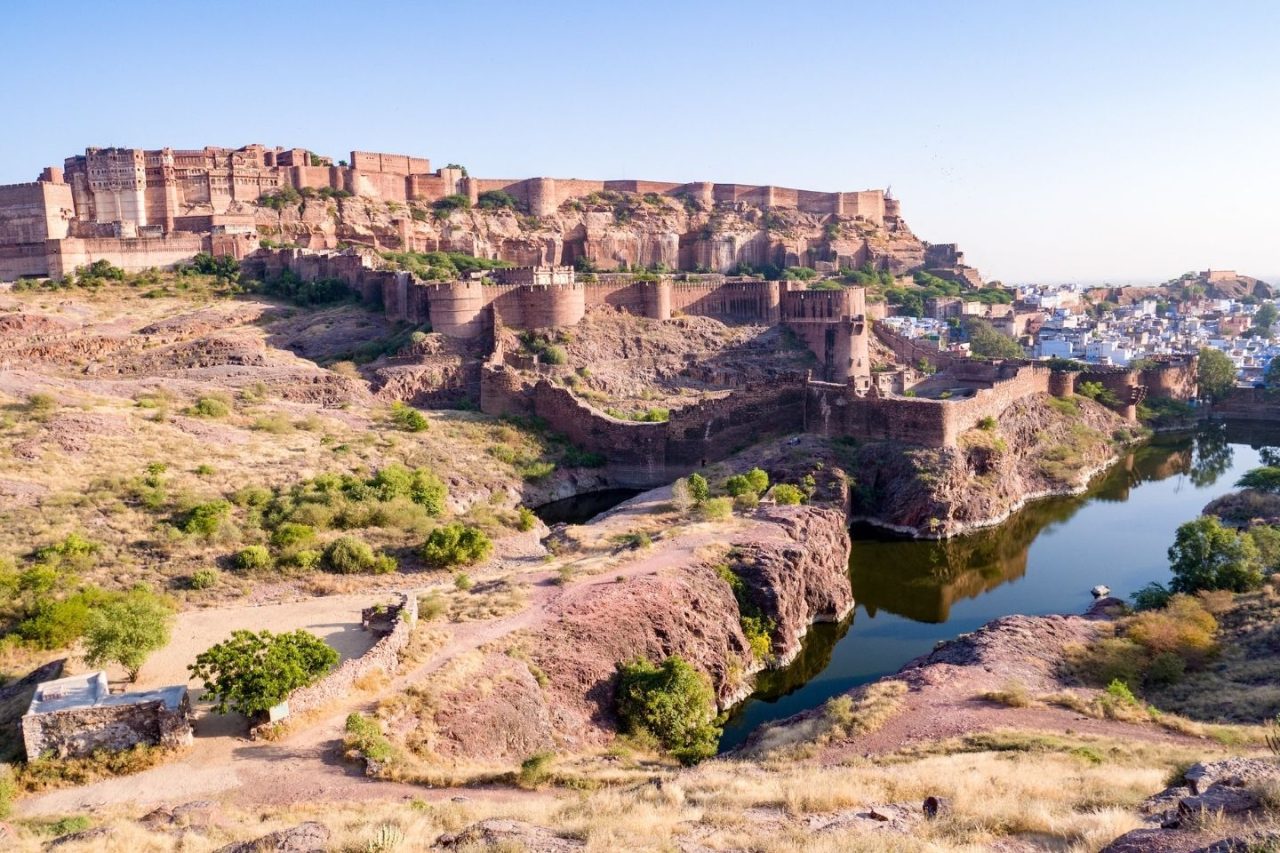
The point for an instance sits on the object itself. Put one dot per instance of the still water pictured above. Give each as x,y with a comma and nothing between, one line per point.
911,594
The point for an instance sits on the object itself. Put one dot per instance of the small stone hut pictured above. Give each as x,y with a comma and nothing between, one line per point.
79,715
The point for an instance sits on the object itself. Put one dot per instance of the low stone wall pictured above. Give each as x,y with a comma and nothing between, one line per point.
385,656
83,731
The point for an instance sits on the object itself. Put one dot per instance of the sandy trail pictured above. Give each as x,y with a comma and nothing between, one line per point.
307,765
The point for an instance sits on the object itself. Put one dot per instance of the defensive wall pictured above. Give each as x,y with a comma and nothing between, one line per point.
641,454
1249,404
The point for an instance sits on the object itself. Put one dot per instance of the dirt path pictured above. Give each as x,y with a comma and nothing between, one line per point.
307,765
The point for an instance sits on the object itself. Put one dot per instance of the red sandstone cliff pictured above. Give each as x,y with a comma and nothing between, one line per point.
1039,446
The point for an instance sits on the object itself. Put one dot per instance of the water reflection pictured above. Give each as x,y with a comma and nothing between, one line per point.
911,594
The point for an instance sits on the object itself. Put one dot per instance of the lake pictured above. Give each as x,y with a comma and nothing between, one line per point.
911,594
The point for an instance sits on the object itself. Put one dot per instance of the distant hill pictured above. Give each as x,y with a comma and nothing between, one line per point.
1215,284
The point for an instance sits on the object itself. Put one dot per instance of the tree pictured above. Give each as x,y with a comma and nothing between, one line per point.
1265,317
674,702
758,478
1264,479
1215,374
250,673
126,631
1206,555
699,489
986,342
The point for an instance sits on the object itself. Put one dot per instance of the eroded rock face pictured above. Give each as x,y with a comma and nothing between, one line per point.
553,687
1036,450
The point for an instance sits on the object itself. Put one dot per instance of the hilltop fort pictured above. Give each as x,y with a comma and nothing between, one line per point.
142,208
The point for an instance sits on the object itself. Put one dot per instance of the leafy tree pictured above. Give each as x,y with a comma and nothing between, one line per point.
759,480
674,702
1215,374
456,544
126,631
737,485
699,489
1265,318
1206,555
986,342
1264,479
787,494
252,672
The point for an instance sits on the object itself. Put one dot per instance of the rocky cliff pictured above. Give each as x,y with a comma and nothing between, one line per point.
553,686
1040,446
607,230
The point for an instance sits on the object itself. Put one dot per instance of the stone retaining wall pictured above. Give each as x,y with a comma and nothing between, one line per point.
385,656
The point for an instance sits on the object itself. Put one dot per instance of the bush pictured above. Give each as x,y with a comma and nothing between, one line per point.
787,494
987,423
759,480
1153,596
456,544
525,519
717,509
209,407
348,555
290,534
737,485
203,579
408,418
535,770
746,502
673,702
41,406
1166,668
250,673
364,736
253,558
699,489
206,519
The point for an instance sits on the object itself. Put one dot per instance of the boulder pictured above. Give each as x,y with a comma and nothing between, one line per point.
504,834
309,837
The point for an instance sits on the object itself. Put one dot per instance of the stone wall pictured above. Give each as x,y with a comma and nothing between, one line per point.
643,455
833,409
384,657
83,731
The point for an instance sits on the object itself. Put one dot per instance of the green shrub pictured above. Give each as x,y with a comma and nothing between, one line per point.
41,406
746,502
456,544
737,485
203,579
290,534
253,558
74,552
987,423
205,520
54,624
1153,596
535,770
364,736
1166,668
787,494
209,407
758,480
699,489
408,418
348,555
673,702
717,509
525,519
462,581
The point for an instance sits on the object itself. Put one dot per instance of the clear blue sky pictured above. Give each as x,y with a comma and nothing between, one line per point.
1121,141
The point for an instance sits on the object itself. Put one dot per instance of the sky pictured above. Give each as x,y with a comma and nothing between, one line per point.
1069,141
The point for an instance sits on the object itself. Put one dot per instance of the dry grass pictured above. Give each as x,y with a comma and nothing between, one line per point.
844,716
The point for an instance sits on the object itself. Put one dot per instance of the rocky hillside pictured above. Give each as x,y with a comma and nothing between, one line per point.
1040,446
608,229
